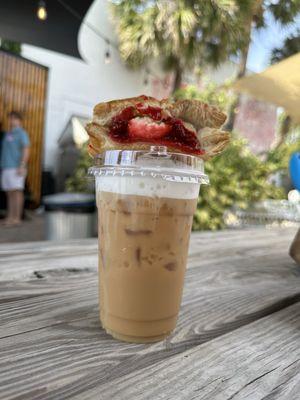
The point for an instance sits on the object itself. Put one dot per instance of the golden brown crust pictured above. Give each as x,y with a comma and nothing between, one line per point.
104,112
195,115
113,104
213,141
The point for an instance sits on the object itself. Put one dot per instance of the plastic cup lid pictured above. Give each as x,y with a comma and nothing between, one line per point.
155,162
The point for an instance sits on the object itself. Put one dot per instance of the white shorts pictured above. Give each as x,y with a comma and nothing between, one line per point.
10,180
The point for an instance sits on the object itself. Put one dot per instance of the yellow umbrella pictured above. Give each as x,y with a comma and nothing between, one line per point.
278,84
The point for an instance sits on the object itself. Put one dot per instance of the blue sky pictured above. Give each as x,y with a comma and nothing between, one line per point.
264,40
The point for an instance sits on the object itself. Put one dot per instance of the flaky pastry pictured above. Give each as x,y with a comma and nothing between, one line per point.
186,126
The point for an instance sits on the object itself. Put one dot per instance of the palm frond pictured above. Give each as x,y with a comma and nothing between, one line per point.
186,33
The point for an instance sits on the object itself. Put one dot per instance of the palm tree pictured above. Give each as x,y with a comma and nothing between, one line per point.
183,33
283,12
290,46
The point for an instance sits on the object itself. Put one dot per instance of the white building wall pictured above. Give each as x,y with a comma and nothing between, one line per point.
75,86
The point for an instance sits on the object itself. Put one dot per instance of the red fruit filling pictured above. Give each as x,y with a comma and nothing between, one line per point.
152,126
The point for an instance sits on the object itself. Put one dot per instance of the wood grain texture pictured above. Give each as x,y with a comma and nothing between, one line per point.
258,361
21,260
237,336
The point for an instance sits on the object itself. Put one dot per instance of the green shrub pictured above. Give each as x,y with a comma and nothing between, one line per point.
211,94
12,47
237,178
279,158
80,182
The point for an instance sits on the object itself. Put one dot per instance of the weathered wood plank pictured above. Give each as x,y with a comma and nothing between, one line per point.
78,361
258,361
211,308
20,261
271,278
67,336
52,346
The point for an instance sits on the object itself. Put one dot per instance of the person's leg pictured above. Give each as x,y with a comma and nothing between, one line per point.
17,197
5,183
8,220
15,207
19,203
9,206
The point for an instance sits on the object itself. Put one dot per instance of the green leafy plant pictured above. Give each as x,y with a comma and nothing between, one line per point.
279,157
237,178
291,46
218,96
9,45
79,182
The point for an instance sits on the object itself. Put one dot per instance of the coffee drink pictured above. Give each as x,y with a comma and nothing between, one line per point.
144,230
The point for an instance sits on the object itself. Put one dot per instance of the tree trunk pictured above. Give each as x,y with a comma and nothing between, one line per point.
240,73
178,79
284,130
257,9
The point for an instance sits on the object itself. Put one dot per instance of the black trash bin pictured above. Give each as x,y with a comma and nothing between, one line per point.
69,216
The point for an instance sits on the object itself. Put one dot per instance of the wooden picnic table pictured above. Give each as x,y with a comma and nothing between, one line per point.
238,334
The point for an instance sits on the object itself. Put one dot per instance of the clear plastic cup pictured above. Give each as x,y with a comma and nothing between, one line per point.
146,201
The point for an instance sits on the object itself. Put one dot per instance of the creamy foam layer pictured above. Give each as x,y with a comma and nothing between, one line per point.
147,186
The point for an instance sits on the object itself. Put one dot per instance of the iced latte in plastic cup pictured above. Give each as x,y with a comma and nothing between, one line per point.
146,201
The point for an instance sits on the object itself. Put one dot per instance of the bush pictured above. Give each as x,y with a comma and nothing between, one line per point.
279,158
237,178
9,45
212,94
79,182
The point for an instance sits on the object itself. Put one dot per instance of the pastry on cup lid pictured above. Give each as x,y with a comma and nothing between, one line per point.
183,126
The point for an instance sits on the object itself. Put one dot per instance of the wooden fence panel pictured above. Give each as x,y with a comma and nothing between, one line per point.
23,86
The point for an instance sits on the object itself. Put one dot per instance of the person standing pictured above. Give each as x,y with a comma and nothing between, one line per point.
14,158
